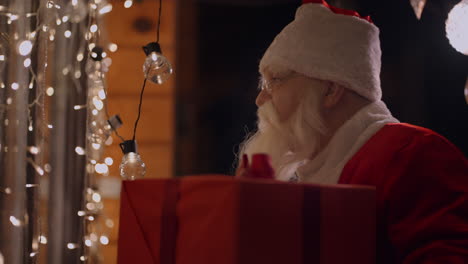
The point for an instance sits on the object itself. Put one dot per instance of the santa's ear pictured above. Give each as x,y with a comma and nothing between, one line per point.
333,95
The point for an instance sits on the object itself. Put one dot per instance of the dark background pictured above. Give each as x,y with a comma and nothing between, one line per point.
222,41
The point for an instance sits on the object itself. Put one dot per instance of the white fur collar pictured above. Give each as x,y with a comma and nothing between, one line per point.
327,166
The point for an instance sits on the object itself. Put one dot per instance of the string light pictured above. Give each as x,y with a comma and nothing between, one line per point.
79,151
27,62
128,3
50,91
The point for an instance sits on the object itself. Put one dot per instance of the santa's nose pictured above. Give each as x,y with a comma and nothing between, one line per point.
262,97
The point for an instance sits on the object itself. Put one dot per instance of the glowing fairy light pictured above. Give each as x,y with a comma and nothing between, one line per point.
77,74
104,240
50,91
79,57
43,240
78,107
109,161
88,242
67,33
58,22
14,86
2,57
27,62
101,168
102,94
65,19
93,28
109,223
72,245
96,197
98,103
80,151
50,126
106,9
96,146
95,112
34,150
113,47
128,3
14,221
25,47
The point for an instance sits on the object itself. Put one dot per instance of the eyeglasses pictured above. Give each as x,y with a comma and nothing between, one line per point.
271,84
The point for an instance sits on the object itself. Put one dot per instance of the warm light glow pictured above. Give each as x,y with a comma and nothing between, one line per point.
88,243
101,168
81,213
104,240
95,112
96,146
77,74
456,27
79,151
2,57
72,245
14,221
43,240
113,47
98,103
96,197
25,47
14,86
93,28
67,33
79,57
50,126
34,150
102,94
128,3
109,223
65,19
109,161
106,9
78,107
27,62
50,91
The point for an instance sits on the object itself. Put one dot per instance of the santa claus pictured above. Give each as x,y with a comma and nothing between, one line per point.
321,120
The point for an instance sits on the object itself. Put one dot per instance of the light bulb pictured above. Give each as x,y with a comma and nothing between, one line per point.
156,68
132,166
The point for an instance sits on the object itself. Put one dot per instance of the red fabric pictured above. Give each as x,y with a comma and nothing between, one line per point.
422,195
223,220
337,10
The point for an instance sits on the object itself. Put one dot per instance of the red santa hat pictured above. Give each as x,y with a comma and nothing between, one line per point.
330,43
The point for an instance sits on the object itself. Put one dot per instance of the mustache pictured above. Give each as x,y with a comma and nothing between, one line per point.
267,116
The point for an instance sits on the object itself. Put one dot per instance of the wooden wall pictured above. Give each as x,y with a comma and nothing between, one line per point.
131,28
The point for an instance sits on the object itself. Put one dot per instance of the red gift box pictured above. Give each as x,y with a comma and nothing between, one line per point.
221,220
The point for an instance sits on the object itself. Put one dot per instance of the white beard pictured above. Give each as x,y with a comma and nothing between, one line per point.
290,143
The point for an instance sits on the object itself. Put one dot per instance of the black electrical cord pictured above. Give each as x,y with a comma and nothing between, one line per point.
146,74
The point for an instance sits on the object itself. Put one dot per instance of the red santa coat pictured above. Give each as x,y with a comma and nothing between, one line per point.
422,194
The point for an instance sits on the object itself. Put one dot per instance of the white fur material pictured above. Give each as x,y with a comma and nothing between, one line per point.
326,168
328,46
